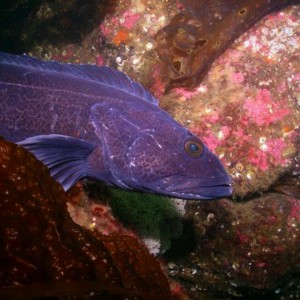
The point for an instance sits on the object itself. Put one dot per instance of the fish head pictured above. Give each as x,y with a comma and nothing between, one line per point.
145,148
180,166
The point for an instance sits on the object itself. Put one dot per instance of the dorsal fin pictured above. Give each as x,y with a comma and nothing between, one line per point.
104,75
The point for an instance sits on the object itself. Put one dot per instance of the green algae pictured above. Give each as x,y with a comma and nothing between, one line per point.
151,216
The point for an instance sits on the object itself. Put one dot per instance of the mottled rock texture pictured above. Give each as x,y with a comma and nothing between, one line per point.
44,253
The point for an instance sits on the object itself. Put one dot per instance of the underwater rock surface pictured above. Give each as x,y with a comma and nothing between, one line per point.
247,109
193,39
45,254
242,249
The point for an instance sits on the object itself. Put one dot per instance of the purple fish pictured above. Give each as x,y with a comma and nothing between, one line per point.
89,121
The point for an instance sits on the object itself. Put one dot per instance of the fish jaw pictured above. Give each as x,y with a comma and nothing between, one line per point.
215,185
195,188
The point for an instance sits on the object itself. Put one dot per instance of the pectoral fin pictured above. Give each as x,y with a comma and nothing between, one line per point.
65,156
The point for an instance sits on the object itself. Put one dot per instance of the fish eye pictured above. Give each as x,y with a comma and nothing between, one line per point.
193,147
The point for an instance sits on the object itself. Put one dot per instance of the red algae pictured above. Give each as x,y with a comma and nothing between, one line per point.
121,36
68,260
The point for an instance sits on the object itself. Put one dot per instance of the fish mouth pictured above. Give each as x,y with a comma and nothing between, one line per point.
198,190
203,193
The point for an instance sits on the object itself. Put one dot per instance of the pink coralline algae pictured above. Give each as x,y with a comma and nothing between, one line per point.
272,152
276,148
296,77
249,113
225,131
237,77
263,111
130,19
105,30
126,19
186,93
99,60
211,140
258,158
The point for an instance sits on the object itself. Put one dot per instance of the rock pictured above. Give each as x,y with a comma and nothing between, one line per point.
245,109
43,253
243,249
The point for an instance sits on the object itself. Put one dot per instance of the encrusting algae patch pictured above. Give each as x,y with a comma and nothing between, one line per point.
246,109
